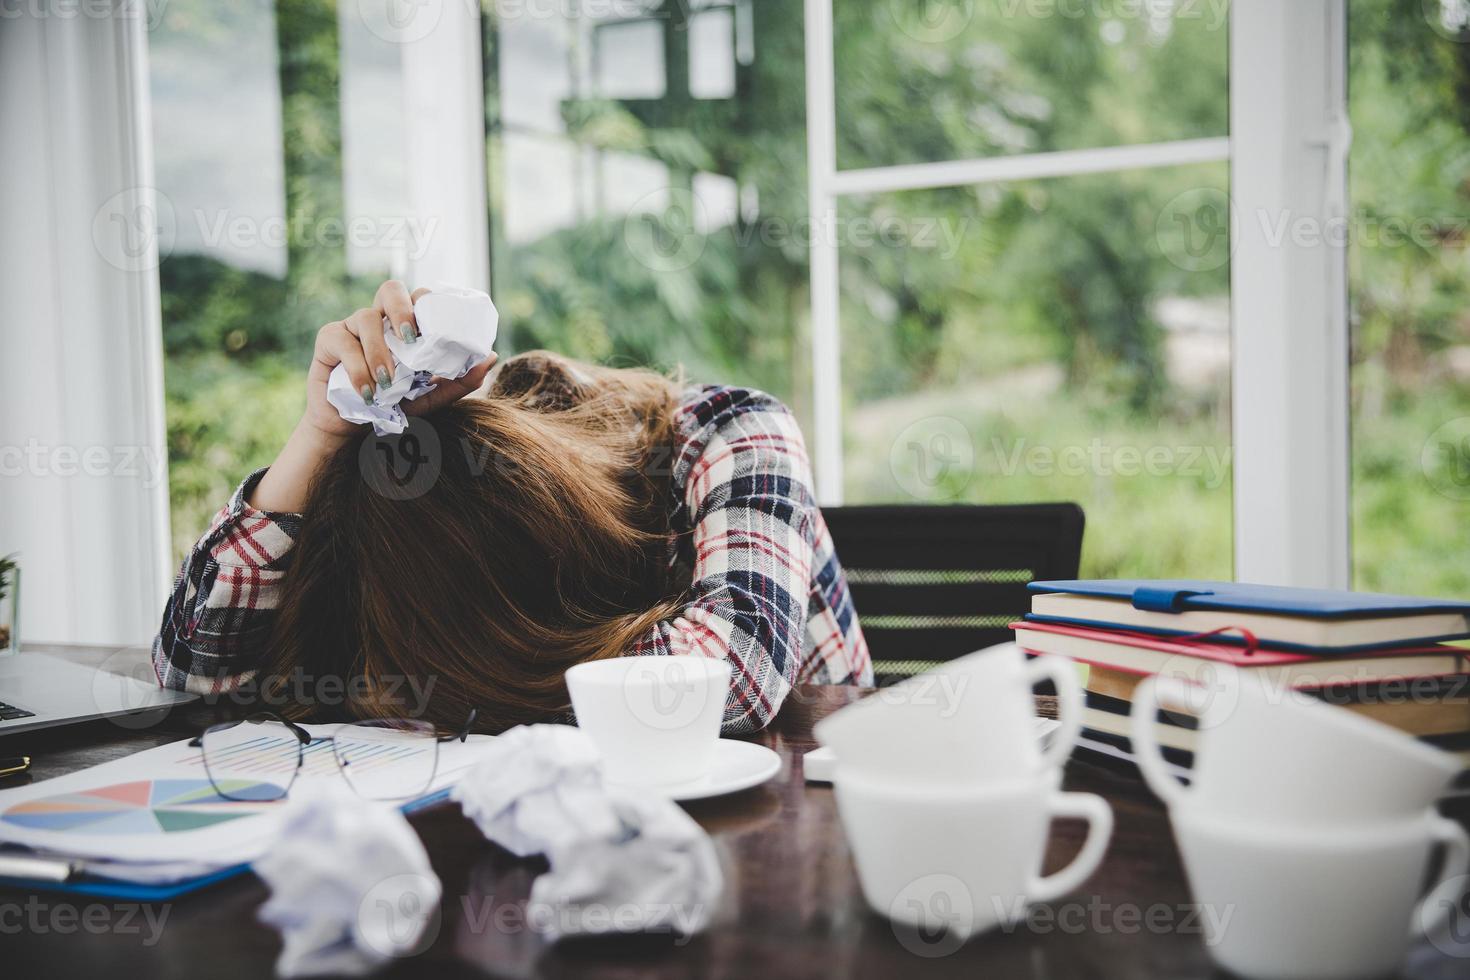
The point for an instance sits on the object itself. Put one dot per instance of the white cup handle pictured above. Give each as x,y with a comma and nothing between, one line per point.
1063,674
1176,695
1099,817
1456,863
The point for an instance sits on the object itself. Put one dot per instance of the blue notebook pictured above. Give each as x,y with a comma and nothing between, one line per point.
1312,620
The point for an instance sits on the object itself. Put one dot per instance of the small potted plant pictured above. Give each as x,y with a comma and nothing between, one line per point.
9,604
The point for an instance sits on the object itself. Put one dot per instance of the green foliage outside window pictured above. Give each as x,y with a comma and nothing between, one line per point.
1038,322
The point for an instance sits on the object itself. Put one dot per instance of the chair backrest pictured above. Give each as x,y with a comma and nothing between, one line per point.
934,582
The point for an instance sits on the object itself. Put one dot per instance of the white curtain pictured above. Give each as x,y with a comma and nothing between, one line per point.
83,470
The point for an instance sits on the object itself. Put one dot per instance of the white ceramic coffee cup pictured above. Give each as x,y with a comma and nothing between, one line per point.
1272,755
971,718
968,857
655,719
1313,903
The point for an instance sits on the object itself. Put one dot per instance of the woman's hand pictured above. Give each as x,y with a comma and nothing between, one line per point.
357,343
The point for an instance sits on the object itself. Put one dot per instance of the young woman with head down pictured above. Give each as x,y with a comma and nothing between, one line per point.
568,512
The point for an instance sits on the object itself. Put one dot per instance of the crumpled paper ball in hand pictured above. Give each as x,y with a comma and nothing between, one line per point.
620,861
351,886
456,332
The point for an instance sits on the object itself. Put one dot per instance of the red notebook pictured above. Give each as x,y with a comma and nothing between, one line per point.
1142,653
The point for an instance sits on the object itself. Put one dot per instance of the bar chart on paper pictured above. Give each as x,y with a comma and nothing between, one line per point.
274,756
144,806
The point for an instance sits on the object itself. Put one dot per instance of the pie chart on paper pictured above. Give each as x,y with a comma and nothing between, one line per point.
145,806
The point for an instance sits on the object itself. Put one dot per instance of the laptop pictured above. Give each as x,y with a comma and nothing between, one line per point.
38,690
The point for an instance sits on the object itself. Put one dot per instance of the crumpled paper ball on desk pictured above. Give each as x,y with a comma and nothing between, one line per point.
351,885
621,860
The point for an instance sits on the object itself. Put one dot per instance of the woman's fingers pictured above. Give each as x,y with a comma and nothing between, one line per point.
446,391
367,326
358,344
397,305
335,344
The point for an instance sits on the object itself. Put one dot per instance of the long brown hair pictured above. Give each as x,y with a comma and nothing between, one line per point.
496,543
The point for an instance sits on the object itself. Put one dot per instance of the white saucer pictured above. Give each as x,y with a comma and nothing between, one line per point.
737,765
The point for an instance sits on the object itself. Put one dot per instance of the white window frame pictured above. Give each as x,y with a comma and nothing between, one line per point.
1287,151
1289,344
444,148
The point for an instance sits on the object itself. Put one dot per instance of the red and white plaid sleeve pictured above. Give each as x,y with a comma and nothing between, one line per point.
219,616
746,484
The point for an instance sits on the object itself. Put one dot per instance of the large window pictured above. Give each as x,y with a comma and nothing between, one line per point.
1408,242
1014,340
280,174
647,194
1031,231
935,80
646,161
1020,341
1054,343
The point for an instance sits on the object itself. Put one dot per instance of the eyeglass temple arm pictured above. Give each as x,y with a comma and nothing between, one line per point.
301,734
464,730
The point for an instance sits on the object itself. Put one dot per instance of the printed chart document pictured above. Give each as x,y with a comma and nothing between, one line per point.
157,816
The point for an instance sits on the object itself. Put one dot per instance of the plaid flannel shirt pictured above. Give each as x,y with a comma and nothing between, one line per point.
768,593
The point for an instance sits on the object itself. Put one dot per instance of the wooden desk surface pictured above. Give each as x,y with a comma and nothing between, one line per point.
791,905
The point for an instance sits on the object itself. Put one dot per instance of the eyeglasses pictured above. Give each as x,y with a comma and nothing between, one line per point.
259,757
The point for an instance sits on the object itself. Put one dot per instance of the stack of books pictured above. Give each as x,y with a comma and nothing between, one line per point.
1390,658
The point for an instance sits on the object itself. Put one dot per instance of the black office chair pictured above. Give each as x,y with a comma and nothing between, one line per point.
934,582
